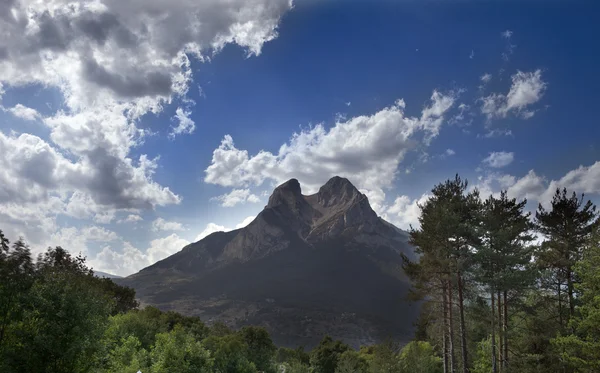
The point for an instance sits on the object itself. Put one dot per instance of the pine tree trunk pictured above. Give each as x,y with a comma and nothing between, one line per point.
560,317
445,329
570,291
500,337
463,331
494,367
451,330
505,330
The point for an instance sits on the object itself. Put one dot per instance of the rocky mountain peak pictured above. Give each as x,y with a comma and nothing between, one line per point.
338,190
287,193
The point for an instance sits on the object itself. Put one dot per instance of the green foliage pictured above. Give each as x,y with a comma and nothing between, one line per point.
260,347
351,362
384,358
293,367
483,358
324,358
419,357
230,354
284,354
127,356
178,351
581,349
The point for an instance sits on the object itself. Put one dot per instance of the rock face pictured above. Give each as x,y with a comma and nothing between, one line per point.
304,267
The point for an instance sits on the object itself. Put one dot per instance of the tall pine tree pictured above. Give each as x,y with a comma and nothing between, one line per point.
566,227
504,264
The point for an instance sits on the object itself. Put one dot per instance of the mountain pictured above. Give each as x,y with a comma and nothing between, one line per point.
306,266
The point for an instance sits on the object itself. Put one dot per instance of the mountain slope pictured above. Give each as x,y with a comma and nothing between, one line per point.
306,266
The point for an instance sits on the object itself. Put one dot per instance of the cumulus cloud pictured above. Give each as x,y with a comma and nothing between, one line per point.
130,259
499,159
237,196
527,89
213,227
113,62
161,224
131,218
125,49
185,125
405,212
584,179
24,112
366,149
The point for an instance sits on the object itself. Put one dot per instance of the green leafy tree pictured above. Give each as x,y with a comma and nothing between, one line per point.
483,362
261,349
230,354
324,358
384,358
16,277
419,357
63,319
127,356
178,351
351,362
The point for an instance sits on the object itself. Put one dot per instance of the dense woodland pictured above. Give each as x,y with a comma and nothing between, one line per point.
494,300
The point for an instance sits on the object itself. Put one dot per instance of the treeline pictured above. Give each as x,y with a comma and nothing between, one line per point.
506,290
57,317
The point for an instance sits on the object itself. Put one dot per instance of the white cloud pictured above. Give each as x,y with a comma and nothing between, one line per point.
76,240
126,50
185,125
32,171
113,62
161,248
237,196
212,228
497,132
405,212
121,263
507,34
450,152
472,54
130,259
131,218
584,179
24,112
527,89
529,186
485,80
161,224
499,159
365,149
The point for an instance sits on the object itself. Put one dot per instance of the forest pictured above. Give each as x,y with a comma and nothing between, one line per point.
502,290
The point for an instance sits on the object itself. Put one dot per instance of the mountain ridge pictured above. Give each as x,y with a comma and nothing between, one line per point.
327,242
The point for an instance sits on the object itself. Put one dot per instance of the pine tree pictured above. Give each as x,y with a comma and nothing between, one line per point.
504,263
567,227
445,243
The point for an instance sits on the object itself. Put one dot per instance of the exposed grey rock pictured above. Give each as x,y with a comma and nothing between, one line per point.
318,255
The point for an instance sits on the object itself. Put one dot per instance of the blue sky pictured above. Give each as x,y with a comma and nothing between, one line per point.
129,138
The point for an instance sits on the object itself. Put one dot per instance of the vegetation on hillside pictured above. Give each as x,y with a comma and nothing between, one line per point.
494,301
